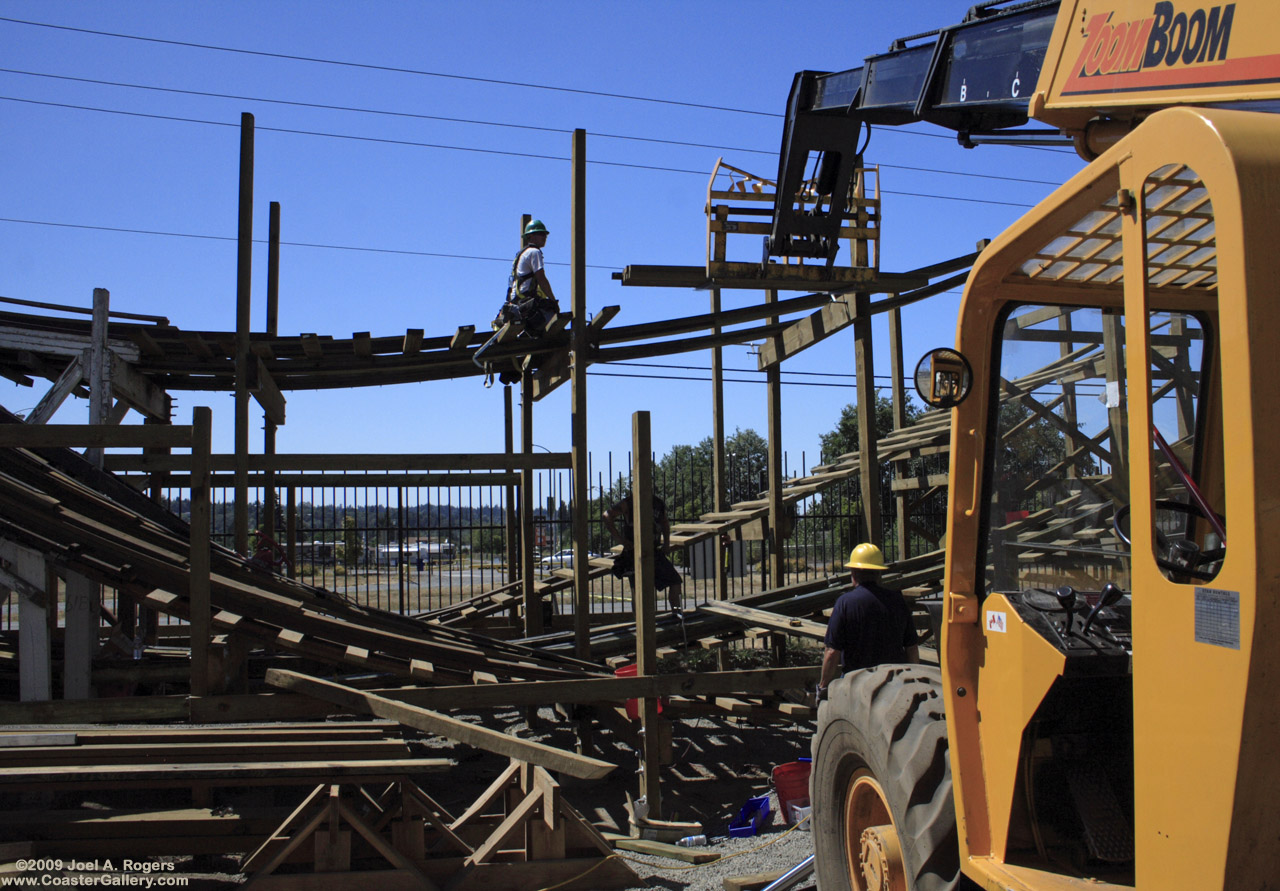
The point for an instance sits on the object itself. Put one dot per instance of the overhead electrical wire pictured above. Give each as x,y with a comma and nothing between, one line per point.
304,244
447,75
456,148
505,124
390,68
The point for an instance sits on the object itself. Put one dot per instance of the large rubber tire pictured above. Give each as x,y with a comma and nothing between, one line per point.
886,724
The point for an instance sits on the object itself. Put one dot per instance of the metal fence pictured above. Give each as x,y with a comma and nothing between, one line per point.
410,549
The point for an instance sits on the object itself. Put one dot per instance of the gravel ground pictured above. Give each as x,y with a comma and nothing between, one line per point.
774,851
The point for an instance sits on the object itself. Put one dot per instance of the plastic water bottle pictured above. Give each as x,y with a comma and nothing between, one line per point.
692,841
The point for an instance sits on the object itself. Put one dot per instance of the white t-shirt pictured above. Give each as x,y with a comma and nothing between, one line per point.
530,261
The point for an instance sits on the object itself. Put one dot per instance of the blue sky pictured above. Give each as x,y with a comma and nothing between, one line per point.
394,221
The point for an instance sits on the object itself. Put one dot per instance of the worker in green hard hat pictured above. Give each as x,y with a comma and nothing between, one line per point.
530,297
870,624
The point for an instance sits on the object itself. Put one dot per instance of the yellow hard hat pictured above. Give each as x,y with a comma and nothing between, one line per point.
866,556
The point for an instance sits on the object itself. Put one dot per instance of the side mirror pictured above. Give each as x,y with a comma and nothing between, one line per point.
943,378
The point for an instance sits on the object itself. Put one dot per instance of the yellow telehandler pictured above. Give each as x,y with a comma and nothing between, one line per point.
1107,704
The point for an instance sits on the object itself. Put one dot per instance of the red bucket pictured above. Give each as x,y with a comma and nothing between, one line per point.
633,705
791,781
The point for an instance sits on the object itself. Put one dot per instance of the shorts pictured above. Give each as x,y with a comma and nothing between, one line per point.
664,571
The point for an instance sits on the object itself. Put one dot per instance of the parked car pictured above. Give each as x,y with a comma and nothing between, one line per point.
562,558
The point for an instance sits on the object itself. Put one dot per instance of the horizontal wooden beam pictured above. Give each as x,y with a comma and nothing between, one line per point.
313,462
35,436
778,277
433,722
797,627
258,479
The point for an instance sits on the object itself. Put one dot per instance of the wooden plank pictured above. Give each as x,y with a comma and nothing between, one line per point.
756,881
311,346
215,774
434,722
660,849
462,337
362,344
791,625
81,435
412,341
51,738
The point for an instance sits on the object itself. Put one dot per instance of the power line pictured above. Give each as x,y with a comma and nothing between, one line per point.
514,126
388,68
457,148
374,111
304,244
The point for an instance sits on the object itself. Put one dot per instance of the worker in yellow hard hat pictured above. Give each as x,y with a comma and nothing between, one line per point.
870,624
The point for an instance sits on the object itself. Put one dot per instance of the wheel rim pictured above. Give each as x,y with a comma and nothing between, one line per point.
871,839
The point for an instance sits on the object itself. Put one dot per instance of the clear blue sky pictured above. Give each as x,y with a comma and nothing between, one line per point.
411,222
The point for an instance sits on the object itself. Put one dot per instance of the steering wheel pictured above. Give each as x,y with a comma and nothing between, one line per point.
1176,556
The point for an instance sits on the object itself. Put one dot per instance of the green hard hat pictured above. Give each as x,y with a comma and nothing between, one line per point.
534,227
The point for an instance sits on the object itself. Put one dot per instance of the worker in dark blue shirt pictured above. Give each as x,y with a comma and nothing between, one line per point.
869,625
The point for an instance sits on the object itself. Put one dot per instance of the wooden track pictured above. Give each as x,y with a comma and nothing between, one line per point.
117,541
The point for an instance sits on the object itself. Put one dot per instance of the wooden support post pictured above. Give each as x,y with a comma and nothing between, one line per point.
902,534
578,396
198,560
24,573
869,475
244,278
645,605
291,531
1068,389
273,324
99,371
533,624
777,538
717,449
512,514
81,642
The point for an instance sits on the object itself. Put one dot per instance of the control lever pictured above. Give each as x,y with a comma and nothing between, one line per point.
1111,595
1067,600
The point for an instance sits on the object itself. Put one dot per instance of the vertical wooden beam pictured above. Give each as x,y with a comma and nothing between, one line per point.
533,623
578,396
291,531
244,277
35,671
99,370
869,475
773,388
198,560
717,448
646,609
896,368
81,641
273,325
512,514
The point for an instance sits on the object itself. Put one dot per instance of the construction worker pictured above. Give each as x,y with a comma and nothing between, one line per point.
530,298
870,624
618,520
